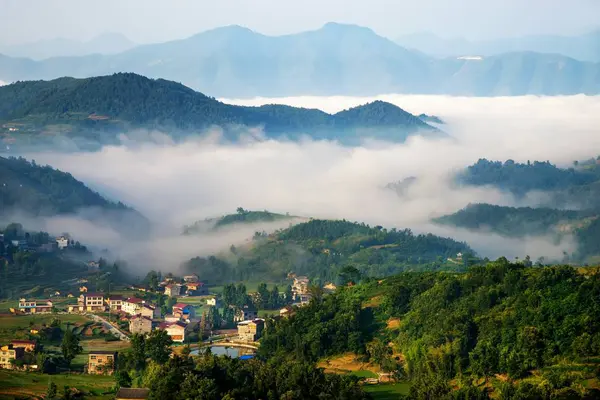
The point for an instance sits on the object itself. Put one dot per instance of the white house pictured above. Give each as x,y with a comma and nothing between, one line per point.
176,330
132,305
62,242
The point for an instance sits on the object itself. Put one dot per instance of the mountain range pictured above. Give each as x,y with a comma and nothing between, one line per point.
100,108
336,59
583,47
107,43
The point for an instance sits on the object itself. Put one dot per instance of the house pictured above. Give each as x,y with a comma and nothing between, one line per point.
102,362
250,331
286,312
132,305
245,314
140,324
35,306
70,295
83,289
184,311
132,394
91,302
114,302
20,244
173,289
62,242
57,293
196,289
190,278
459,256
300,286
8,353
304,298
330,287
176,330
28,345
172,318
213,302
150,311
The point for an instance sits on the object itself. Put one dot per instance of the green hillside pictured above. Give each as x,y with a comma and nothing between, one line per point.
499,331
99,108
322,249
240,217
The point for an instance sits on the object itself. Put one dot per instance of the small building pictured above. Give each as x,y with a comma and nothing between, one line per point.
173,290
83,289
9,353
330,287
62,242
300,286
150,311
196,289
28,345
140,324
114,302
213,301
190,278
184,311
35,306
102,362
91,302
176,330
132,305
132,394
246,313
250,331
286,312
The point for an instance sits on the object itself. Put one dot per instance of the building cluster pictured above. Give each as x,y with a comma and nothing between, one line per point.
28,245
300,290
12,353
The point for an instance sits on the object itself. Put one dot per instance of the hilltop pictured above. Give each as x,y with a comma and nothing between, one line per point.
323,248
337,59
240,217
101,107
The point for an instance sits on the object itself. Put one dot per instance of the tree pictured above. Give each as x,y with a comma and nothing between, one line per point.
123,379
70,346
158,346
52,391
289,295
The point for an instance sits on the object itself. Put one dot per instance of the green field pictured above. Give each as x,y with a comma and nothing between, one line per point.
389,391
17,326
27,385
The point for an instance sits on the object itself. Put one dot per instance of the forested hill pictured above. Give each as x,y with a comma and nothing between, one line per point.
322,249
240,217
125,100
42,190
501,331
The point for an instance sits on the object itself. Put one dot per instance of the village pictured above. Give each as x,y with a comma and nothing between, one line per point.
119,316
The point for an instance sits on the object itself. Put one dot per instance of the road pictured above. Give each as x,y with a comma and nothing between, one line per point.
108,326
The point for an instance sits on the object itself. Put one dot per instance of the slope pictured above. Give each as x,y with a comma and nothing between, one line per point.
123,101
323,248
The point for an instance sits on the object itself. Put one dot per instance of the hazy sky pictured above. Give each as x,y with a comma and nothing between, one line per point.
162,20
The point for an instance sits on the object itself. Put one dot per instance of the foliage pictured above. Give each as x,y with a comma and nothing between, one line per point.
322,249
70,347
213,377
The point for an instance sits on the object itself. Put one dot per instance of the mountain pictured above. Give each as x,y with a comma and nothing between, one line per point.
322,248
32,190
107,43
335,60
584,47
99,108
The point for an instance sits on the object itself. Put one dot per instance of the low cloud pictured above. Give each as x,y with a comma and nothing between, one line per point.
174,184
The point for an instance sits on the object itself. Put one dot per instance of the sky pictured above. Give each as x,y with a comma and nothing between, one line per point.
149,21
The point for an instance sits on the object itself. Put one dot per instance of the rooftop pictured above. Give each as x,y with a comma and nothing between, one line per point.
134,300
93,294
180,305
133,393
115,297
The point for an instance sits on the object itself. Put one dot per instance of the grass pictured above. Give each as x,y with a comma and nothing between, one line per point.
364,374
387,391
27,385
18,326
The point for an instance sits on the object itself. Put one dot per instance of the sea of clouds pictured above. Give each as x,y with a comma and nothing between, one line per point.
174,184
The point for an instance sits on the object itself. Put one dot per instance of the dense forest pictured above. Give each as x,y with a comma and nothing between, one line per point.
501,330
125,100
520,178
42,190
321,249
